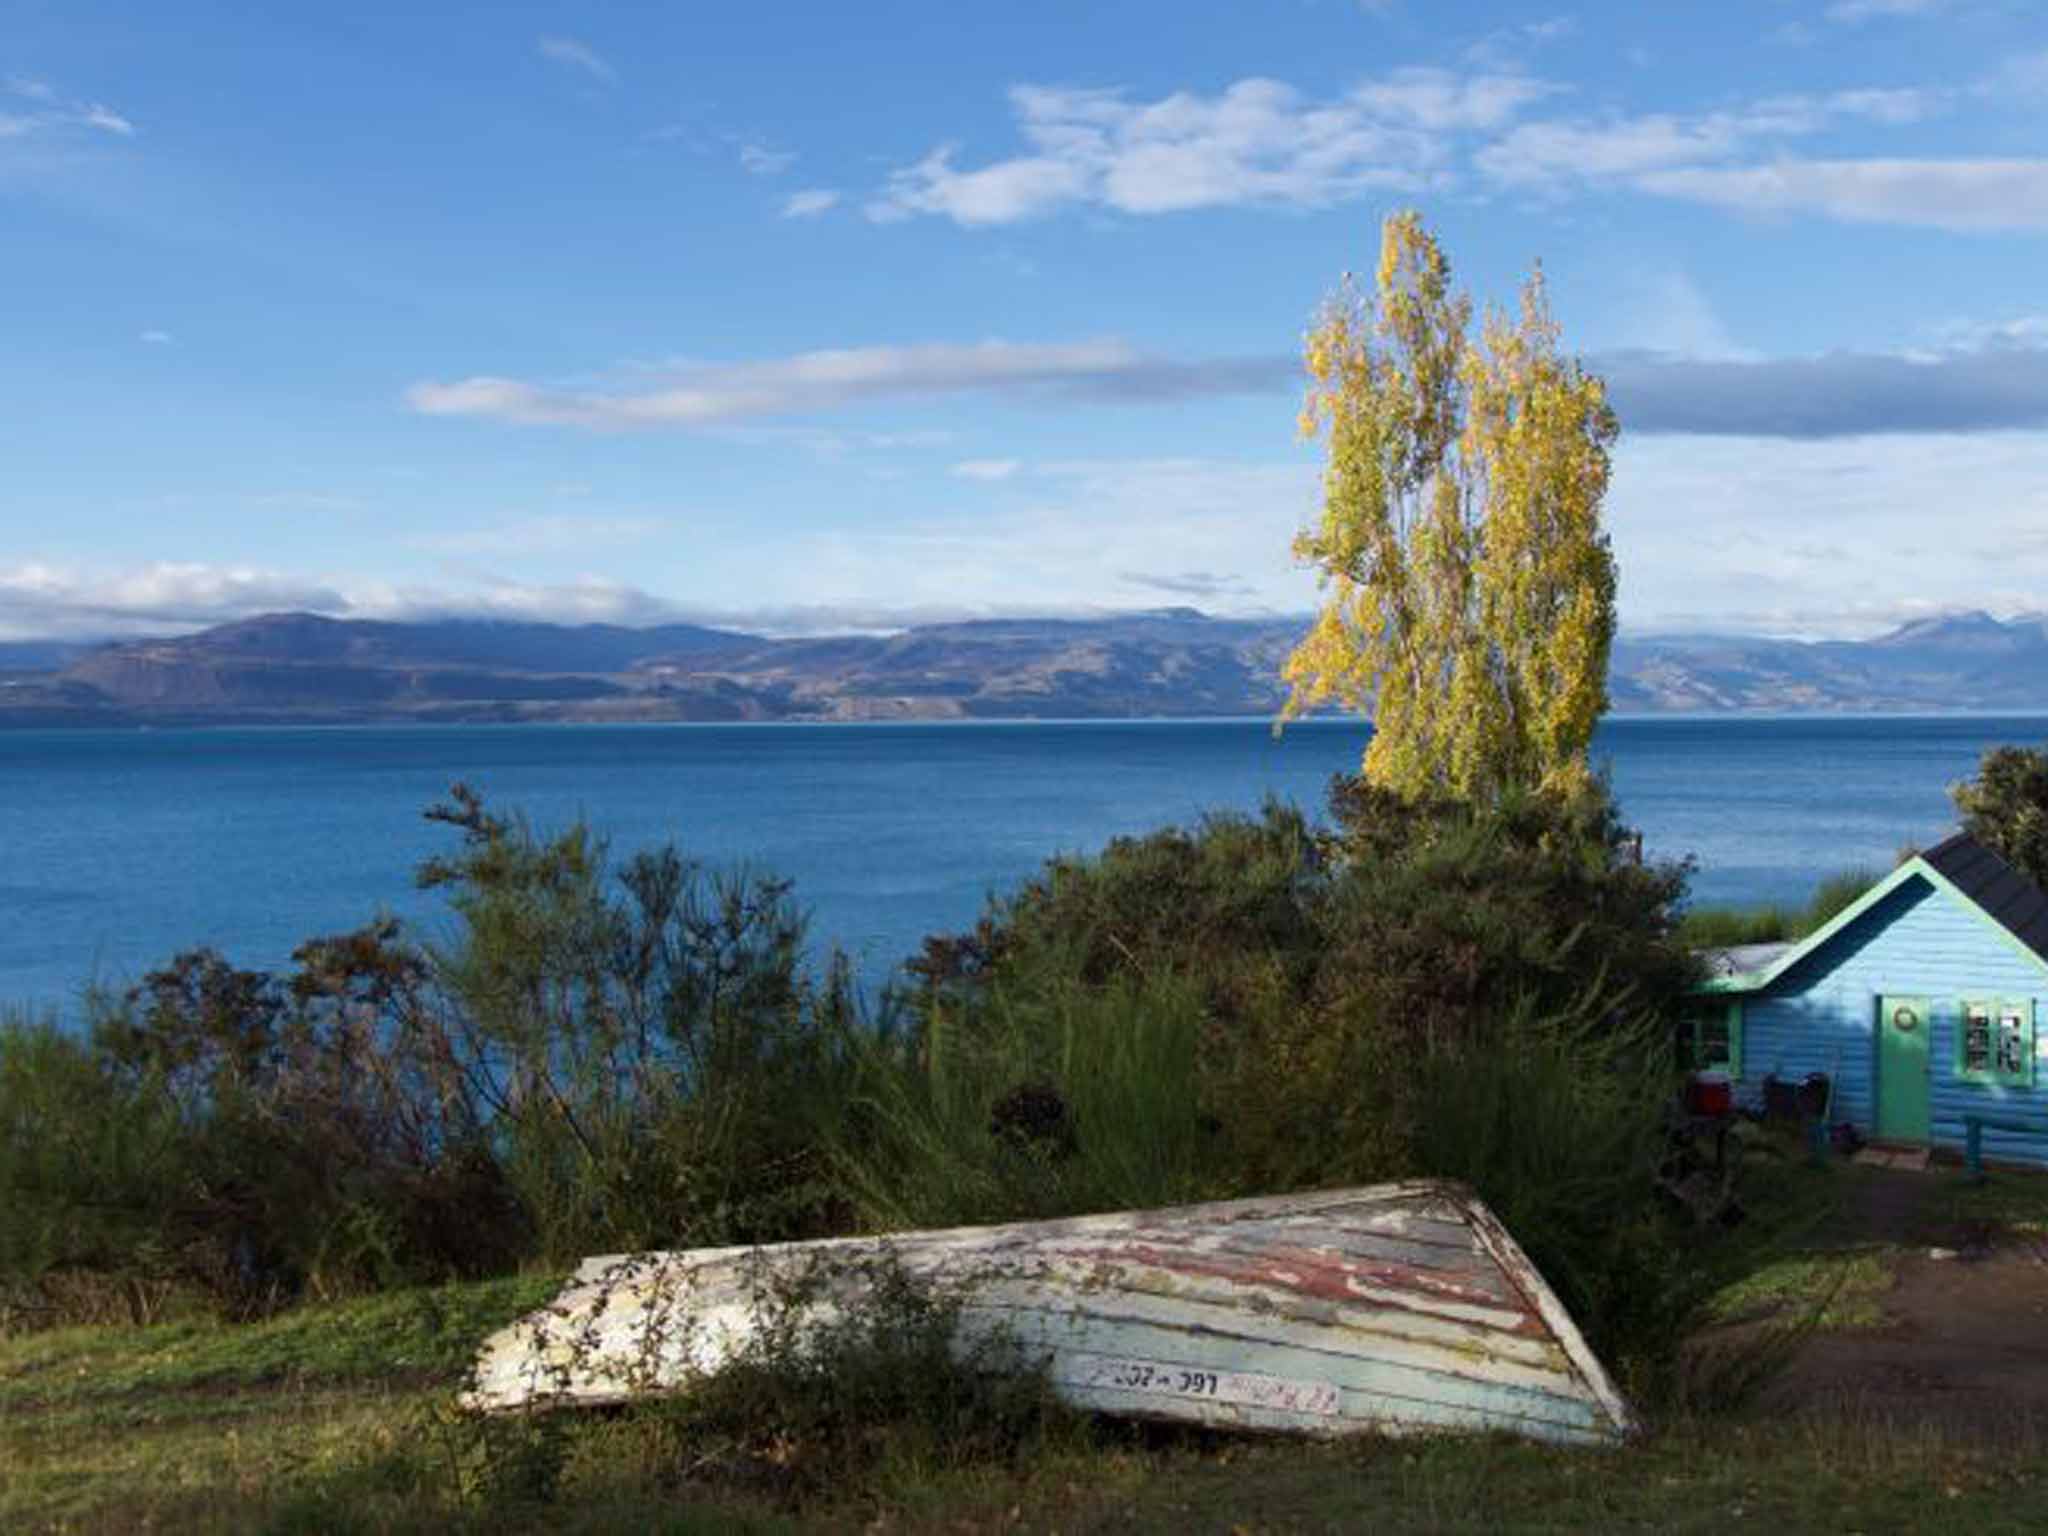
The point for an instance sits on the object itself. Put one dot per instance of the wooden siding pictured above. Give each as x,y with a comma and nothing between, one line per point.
1920,941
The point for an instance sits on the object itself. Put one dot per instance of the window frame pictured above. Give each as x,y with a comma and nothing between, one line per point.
1997,1010
1699,1018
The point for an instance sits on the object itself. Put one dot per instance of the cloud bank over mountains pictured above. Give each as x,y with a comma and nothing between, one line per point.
1997,383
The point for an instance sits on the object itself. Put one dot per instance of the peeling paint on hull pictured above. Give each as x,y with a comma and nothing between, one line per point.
1399,1307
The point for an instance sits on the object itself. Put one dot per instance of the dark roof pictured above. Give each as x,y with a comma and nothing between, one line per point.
2007,896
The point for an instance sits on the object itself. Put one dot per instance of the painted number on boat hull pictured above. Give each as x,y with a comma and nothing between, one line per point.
1193,1384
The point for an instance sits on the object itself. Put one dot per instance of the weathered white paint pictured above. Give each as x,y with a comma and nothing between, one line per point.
1398,1307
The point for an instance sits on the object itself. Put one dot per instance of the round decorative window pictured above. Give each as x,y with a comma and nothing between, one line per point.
1905,1019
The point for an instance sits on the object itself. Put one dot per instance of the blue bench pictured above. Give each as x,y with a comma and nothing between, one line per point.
1974,1127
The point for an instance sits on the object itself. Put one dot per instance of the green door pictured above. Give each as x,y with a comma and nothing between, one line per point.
1902,1028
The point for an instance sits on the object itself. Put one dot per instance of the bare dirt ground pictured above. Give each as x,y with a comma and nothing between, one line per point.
1963,1342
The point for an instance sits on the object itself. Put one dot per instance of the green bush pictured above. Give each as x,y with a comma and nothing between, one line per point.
1256,1005
652,1060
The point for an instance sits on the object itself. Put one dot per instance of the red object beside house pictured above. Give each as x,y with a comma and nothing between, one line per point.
1709,1093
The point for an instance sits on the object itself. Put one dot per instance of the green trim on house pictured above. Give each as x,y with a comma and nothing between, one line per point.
1756,981
1905,1087
1996,1011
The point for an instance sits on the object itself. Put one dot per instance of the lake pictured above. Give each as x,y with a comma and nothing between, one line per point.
119,848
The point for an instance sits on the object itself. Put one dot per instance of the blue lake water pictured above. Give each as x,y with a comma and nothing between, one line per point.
119,848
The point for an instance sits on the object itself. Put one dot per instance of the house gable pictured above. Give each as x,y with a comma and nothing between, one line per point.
2016,921
1915,936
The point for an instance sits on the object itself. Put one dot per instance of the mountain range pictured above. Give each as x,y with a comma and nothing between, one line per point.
304,668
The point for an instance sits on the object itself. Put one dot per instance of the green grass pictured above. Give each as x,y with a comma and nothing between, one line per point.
1774,923
419,1336
340,1418
364,1461
1828,1291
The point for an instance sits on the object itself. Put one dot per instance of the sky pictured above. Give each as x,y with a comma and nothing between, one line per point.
816,316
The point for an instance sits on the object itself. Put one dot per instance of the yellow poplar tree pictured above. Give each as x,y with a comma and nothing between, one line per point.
1468,588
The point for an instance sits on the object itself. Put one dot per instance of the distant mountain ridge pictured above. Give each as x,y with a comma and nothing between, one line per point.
305,668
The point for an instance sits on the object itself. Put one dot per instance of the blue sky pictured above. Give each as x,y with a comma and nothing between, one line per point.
818,315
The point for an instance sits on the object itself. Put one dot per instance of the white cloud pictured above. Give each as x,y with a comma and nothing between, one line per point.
705,394
168,598
54,113
567,51
760,160
1668,313
155,338
1830,537
107,119
986,469
1091,532
1938,194
1538,153
809,203
2022,80
1259,142
1854,11
45,601
1547,154
1508,47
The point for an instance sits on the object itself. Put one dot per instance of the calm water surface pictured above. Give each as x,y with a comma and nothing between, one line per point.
119,848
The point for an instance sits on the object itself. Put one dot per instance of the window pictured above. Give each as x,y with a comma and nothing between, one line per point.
1995,1042
1710,1039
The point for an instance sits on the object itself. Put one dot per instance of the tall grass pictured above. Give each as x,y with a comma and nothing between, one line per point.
1041,1100
1774,923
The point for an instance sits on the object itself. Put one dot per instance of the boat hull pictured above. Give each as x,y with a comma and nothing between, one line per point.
1393,1308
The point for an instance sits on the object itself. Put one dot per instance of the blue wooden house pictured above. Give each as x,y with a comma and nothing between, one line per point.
1925,1003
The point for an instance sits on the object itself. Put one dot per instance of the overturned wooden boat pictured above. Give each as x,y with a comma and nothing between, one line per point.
1394,1308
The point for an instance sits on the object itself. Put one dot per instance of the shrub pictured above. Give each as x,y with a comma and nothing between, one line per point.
822,1399
652,1058
1481,993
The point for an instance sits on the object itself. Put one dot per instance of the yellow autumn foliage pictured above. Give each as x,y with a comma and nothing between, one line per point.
1468,587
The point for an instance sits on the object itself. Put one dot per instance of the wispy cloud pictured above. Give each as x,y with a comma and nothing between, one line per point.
1550,154
1196,584
708,394
760,160
49,111
1854,11
155,338
1507,48
571,54
809,203
1259,142
1982,195
986,469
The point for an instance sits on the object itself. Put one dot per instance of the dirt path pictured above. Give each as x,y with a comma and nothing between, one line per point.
1964,1342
